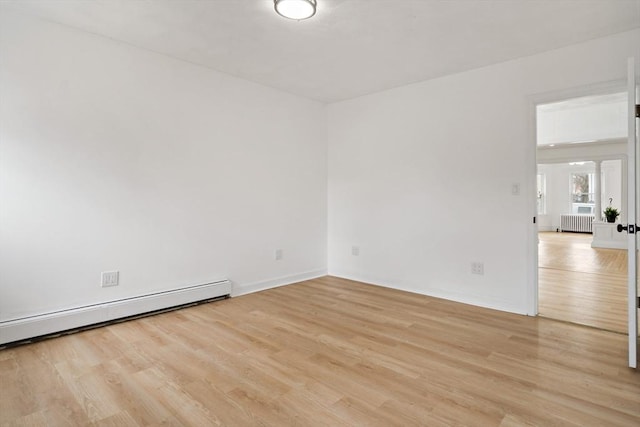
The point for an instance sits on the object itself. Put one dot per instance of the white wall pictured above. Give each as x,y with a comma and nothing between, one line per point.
420,177
116,158
613,174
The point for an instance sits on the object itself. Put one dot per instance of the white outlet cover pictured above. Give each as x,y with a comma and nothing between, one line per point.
355,250
477,268
110,278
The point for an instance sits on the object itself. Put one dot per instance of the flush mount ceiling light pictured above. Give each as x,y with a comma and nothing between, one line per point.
295,9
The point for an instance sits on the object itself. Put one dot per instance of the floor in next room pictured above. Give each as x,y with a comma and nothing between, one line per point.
581,284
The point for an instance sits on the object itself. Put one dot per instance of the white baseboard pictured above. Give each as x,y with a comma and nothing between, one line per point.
249,288
47,323
474,300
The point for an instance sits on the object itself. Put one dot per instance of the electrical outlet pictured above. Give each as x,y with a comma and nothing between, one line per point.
279,254
355,250
515,189
477,268
110,278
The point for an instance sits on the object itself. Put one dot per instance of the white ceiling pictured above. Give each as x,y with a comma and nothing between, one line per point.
351,47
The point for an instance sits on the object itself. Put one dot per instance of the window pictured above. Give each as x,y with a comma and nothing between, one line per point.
582,195
542,194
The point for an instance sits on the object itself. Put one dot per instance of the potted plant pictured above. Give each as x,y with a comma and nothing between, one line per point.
611,214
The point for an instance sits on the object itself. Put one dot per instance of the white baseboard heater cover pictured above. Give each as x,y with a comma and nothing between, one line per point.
59,321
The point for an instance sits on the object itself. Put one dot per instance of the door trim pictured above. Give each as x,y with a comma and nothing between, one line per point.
632,188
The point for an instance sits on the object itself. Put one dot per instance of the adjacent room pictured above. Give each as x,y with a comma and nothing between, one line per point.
315,212
581,176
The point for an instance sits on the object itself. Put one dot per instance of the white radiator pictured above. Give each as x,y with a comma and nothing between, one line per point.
576,223
77,317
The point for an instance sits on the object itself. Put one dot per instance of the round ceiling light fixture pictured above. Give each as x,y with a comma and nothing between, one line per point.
295,9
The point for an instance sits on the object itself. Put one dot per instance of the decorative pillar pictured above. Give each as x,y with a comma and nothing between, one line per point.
597,196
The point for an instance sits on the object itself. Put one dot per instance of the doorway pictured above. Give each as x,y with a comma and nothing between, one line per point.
581,170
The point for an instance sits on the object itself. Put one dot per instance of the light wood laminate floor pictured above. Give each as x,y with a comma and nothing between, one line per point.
581,284
326,352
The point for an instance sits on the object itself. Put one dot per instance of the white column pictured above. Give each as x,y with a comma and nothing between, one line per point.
597,190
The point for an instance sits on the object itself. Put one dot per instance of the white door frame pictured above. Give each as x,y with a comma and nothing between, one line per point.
632,258
533,101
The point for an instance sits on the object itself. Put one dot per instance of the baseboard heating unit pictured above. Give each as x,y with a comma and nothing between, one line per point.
78,317
577,223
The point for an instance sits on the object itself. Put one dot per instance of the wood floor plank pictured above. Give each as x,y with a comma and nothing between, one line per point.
325,352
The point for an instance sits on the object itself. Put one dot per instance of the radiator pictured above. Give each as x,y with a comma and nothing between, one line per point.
576,223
